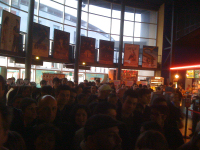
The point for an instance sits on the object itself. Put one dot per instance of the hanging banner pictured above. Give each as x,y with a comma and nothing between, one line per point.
131,55
61,45
49,77
10,32
87,51
106,52
129,75
150,57
40,40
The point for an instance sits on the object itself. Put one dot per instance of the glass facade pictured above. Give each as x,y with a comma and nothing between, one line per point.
100,20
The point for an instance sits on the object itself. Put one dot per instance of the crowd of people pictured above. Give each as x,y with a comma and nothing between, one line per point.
88,116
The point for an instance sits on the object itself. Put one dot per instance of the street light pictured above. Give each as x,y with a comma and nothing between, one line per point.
84,64
176,76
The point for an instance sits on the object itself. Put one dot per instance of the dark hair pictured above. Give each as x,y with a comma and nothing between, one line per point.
43,82
142,92
11,101
91,98
26,102
15,141
98,80
152,140
103,107
73,90
56,79
71,82
159,100
3,82
131,93
74,111
49,128
151,125
6,115
80,96
64,78
47,89
76,88
112,95
62,87
161,108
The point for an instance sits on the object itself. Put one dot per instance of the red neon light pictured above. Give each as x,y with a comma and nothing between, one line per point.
185,67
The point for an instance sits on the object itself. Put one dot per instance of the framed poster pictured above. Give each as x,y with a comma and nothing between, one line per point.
87,51
61,45
106,52
40,40
10,32
150,57
131,55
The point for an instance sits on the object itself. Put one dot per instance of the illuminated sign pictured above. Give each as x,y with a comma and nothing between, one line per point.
190,73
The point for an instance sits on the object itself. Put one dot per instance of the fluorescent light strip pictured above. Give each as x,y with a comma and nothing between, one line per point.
185,67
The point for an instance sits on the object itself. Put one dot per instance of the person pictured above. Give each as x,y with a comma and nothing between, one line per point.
156,94
79,90
26,91
64,81
73,95
159,114
112,98
2,89
104,91
47,137
93,90
56,83
15,141
43,83
82,99
101,132
150,125
5,122
135,86
151,140
79,116
92,99
15,101
97,83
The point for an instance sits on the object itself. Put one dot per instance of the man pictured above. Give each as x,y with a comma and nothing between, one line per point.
104,91
56,83
82,99
112,98
98,83
159,114
101,132
129,116
64,81
2,89
135,86
93,90
43,83
73,95
5,121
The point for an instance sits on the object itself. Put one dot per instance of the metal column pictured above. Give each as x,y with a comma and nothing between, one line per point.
121,40
29,38
78,28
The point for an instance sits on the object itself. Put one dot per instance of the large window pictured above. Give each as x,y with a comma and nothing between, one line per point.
100,20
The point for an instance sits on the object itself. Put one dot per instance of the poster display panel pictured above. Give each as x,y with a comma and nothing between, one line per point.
61,45
106,52
150,57
131,55
10,32
87,51
49,77
40,40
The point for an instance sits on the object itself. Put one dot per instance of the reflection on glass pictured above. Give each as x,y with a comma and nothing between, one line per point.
84,17
103,8
138,17
101,24
115,26
146,30
142,42
72,31
127,40
128,28
70,16
35,8
115,38
71,3
98,37
147,15
85,6
116,12
83,32
129,13
51,10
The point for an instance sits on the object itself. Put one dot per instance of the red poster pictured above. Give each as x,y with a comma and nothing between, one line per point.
106,52
49,77
61,45
131,55
87,51
150,57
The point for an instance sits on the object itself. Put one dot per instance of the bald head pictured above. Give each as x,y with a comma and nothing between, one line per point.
47,109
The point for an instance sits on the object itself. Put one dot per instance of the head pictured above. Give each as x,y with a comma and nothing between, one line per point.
47,137
79,90
29,108
72,97
47,109
43,83
64,81
97,82
79,115
2,86
160,101
144,96
70,84
112,98
135,86
93,89
5,121
158,89
85,81
56,82
106,108
16,101
130,100
26,91
63,94
120,93
101,132
82,99
151,140
46,90
92,98
15,141
104,90
123,86
159,114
